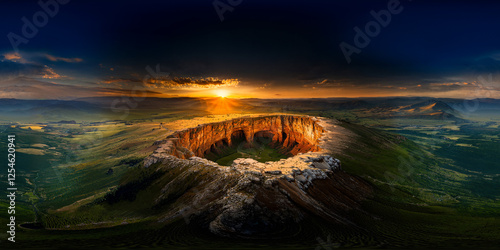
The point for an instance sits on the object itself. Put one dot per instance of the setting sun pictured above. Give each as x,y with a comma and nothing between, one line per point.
222,93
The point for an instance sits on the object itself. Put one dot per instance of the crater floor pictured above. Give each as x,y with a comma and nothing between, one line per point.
268,137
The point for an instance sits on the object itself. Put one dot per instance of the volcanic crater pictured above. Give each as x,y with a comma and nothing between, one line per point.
253,196
260,138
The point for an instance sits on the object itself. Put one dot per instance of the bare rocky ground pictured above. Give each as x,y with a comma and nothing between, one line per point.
253,199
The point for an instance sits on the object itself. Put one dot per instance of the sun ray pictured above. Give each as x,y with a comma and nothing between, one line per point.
222,93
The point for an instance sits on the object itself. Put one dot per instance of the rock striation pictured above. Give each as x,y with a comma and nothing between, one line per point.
251,199
294,134
255,199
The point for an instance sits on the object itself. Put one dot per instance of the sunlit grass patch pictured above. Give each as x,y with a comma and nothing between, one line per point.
32,127
31,151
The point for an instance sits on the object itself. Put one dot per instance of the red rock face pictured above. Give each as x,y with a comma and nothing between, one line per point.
237,201
295,134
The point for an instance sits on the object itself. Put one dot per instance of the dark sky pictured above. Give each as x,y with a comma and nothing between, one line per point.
260,49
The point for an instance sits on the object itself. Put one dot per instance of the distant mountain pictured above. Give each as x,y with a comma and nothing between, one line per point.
314,104
27,105
92,107
472,105
429,106
47,110
427,109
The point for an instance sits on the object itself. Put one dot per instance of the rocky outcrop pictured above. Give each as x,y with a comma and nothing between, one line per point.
255,199
251,199
293,134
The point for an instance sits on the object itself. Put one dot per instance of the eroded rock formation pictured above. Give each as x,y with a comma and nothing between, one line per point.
255,199
294,134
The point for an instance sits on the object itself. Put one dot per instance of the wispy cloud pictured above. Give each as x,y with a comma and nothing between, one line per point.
14,64
49,73
25,57
326,83
29,88
191,83
14,57
62,59
12,69
121,81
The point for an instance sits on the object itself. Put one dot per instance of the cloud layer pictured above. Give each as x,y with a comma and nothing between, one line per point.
191,83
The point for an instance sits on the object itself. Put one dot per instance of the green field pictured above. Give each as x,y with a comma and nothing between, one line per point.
438,187
258,152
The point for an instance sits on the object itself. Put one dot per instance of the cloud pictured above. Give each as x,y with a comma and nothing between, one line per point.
49,73
326,83
121,81
191,83
62,59
14,57
25,57
14,64
264,86
11,69
29,88
495,56
442,86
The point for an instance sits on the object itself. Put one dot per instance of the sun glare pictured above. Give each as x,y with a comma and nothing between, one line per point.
221,105
222,93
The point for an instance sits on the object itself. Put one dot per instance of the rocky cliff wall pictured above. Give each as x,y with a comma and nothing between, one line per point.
297,134
255,199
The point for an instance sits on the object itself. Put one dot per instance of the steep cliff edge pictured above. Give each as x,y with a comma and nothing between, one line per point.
255,199
293,134
248,200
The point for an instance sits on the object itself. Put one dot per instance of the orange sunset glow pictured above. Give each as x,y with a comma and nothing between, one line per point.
222,93
221,105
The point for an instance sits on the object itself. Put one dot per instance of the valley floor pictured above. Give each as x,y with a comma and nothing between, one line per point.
436,182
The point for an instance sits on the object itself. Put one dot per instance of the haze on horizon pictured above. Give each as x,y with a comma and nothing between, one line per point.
259,50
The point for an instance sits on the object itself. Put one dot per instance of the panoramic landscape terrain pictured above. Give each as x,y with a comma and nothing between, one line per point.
233,124
410,172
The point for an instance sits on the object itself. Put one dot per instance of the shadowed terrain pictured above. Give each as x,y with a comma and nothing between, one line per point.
403,180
